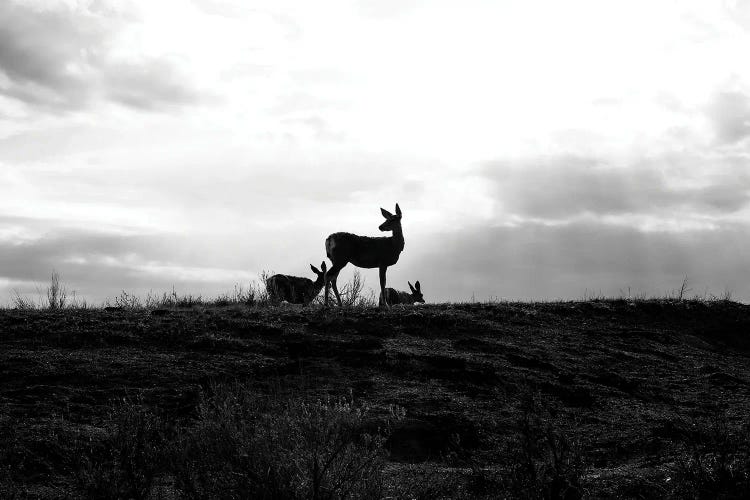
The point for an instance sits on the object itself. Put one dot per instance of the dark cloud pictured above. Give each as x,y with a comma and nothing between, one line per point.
99,265
33,260
135,85
730,114
563,186
536,261
58,58
46,54
531,261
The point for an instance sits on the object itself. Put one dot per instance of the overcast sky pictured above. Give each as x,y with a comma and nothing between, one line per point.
538,149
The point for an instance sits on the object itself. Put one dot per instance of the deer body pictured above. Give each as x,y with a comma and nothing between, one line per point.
365,252
294,289
394,296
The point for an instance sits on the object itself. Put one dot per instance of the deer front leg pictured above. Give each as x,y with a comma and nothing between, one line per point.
383,298
325,286
330,277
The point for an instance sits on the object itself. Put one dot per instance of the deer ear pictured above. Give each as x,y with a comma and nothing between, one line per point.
323,266
419,288
314,269
410,287
398,210
386,213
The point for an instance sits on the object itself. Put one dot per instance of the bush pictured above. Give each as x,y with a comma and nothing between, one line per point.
539,460
714,461
11,459
57,294
247,446
425,482
22,302
9,490
547,463
126,463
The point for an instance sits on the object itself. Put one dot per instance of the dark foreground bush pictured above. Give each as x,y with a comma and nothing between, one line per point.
540,460
714,462
241,445
127,461
246,446
547,462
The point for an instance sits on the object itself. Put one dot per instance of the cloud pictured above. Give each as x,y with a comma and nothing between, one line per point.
528,261
98,265
304,102
148,84
386,9
61,58
561,187
537,261
317,126
730,114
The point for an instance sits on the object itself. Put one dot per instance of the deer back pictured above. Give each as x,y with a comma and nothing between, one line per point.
293,289
398,297
363,251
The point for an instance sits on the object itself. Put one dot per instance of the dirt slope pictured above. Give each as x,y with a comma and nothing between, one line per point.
623,379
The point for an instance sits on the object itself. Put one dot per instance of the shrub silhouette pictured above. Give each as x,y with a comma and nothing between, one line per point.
127,462
247,446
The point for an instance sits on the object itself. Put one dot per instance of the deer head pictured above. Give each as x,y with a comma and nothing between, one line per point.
319,273
416,292
391,221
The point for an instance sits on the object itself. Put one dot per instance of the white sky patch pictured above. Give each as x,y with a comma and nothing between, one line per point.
267,126
17,233
205,274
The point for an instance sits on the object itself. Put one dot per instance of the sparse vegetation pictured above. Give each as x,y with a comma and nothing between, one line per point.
57,293
239,296
545,462
22,302
248,446
126,462
353,293
250,296
240,445
681,293
714,461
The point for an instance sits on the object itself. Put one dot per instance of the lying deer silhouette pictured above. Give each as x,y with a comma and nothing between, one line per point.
366,252
296,290
394,296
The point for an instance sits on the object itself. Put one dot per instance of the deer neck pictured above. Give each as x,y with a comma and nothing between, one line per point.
398,238
316,288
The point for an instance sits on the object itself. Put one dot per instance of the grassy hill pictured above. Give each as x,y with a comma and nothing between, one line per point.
558,400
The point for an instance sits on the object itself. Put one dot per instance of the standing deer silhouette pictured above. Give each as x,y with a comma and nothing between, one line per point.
398,297
365,252
296,290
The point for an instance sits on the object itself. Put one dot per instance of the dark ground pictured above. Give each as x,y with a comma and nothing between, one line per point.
630,384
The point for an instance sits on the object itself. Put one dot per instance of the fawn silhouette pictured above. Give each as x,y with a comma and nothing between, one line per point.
294,289
394,296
